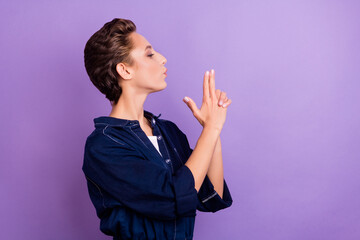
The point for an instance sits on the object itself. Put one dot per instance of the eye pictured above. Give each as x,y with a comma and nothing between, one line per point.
150,55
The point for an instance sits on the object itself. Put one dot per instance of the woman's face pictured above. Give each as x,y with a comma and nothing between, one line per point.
149,70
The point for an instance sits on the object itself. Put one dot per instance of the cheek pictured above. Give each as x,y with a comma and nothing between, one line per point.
149,70
153,71
155,68
147,67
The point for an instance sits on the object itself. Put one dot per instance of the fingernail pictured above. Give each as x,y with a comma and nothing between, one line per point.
207,72
212,71
221,102
186,99
225,105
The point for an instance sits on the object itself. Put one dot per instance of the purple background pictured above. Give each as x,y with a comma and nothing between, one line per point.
290,140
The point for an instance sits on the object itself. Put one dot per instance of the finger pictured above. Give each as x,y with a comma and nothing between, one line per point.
212,84
218,93
228,102
222,98
191,104
206,86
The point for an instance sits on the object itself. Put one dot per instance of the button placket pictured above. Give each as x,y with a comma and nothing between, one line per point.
162,145
168,161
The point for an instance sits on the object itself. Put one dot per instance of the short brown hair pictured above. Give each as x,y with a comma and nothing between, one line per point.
104,50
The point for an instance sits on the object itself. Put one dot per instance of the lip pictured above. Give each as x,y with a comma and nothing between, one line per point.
165,72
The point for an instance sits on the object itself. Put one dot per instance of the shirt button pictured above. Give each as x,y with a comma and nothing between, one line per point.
159,137
167,161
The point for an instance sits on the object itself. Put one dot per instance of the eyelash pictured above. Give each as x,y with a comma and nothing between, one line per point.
150,55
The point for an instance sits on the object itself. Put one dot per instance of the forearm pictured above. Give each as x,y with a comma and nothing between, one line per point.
215,171
199,160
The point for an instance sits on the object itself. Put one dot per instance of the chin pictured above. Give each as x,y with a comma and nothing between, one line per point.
161,87
164,86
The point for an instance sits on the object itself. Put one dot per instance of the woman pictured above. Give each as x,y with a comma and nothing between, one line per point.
143,178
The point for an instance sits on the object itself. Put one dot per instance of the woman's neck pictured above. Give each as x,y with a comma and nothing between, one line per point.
130,106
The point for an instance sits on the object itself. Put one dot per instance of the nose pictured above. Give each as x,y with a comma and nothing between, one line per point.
163,60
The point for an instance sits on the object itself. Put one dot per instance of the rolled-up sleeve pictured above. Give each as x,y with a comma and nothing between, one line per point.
138,183
208,199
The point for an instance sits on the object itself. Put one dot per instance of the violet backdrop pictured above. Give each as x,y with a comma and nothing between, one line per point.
290,140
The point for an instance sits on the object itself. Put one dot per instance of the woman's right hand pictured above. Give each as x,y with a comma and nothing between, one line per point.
211,114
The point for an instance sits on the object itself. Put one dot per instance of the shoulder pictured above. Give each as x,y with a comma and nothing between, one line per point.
102,139
167,123
178,137
170,126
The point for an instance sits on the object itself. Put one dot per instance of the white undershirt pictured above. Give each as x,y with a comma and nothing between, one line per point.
154,141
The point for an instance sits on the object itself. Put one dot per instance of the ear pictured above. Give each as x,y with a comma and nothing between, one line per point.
124,71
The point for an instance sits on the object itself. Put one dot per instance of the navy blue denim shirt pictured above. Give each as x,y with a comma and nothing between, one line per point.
138,193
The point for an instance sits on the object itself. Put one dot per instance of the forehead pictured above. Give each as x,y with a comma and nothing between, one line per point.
139,41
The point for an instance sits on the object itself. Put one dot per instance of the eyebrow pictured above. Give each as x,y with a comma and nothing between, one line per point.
148,46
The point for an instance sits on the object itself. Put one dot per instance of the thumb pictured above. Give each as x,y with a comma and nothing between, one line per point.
191,104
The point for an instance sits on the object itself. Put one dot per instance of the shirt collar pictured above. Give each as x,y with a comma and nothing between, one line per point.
112,121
